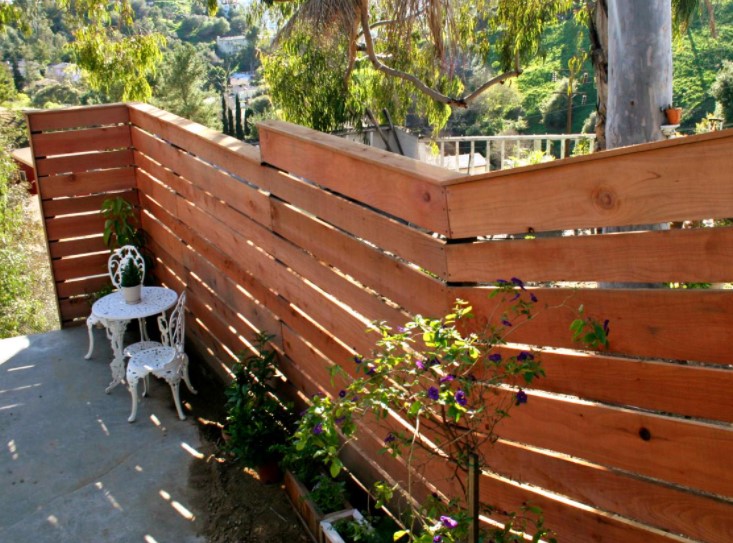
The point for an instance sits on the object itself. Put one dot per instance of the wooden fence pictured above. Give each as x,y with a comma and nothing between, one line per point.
311,238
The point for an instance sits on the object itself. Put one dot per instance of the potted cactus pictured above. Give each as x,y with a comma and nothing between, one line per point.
131,282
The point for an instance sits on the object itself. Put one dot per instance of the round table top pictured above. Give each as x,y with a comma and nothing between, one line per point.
154,300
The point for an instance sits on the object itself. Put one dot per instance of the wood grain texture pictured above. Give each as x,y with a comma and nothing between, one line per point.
680,389
81,141
74,226
695,455
75,164
402,187
406,285
664,507
75,117
214,180
391,235
83,204
700,255
678,324
86,183
77,267
643,184
84,286
73,247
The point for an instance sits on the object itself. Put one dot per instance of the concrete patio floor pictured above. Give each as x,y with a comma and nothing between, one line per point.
72,468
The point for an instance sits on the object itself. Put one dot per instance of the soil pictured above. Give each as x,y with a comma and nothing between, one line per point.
236,506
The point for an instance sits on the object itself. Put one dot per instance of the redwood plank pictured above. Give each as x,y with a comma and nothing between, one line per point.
87,285
674,450
678,324
85,183
83,116
220,184
74,247
152,188
82,162
700,255
74,226
83,204
408,287
696,516
644,184
214,356
391,235
680,389
78,267
400,186
74,308
81,141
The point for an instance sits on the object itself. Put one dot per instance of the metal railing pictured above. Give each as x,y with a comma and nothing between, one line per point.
466,154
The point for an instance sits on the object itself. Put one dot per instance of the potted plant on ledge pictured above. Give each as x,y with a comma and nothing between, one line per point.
131,282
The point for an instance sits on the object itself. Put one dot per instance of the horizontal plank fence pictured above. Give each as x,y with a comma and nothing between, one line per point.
312,238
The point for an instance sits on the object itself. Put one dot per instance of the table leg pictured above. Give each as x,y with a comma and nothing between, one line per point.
116,334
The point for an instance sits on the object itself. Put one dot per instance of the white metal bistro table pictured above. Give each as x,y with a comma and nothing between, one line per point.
115,314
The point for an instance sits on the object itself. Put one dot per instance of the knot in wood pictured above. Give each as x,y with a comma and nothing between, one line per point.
645,434
605,198
426,196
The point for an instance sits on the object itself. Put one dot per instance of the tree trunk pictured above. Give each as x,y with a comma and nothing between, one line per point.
639,70
639,83
598,30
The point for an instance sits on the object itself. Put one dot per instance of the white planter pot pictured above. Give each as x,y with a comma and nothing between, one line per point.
328,532
132,294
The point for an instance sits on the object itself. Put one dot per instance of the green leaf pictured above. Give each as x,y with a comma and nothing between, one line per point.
336,467
399,534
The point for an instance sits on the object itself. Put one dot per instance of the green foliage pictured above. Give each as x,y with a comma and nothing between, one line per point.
8,91
181,86
257,420
238,129
200,28
120,224
57,93
328,493
722,90
498,111
20,310
589,331
131,275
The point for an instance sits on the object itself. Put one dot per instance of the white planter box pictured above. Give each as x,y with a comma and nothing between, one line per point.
328,533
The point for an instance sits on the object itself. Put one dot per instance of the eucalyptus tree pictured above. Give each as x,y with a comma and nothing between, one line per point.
332,58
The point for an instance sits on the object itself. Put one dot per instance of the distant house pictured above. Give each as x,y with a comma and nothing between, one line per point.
63,71
230,45
26,173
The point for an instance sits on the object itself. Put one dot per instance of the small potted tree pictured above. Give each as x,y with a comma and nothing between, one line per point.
258,422
131,282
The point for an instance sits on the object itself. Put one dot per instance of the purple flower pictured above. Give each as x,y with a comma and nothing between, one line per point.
339,420
433,393
401,329
420,364
506,322
606,330
521,397
434,362
495,357
389,439
438,539
318,429
371,368
461,397
447,378
342,393
355,398
518,282
358,359
448,522
533,297
524,355
502,282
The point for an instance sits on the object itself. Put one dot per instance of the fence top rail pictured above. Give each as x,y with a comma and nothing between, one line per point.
365,153
518,137
598,156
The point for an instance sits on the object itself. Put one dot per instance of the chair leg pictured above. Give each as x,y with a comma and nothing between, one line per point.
175,389
91,321
132,384
186,378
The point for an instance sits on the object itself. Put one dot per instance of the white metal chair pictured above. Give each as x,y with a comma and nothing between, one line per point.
167,361
114,266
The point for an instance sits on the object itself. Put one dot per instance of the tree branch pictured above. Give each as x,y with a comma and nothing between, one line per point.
462,102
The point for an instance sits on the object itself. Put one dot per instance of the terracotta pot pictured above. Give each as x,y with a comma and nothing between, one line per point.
674,115
269,473
132,294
